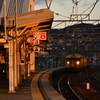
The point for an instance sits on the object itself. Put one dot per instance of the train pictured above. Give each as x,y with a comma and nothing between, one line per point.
76,62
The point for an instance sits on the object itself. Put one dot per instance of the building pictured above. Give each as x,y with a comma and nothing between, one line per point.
16,26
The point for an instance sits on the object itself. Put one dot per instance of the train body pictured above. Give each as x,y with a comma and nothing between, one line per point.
76,62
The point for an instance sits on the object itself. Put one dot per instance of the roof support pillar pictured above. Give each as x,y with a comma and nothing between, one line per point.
19,65
24,61
15,64
11,65
15,48
32,61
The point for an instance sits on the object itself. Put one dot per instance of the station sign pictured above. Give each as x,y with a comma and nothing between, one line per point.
34,41
43,36
30,39
40,35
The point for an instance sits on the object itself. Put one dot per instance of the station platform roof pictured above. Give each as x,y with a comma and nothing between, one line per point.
29,22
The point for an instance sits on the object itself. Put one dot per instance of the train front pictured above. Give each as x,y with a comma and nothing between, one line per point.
73,63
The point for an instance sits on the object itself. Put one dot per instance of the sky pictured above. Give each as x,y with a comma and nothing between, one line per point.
66,7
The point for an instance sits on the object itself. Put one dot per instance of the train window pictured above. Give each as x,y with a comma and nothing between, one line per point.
73,59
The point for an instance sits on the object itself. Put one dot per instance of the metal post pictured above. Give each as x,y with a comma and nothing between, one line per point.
11,66
48,6
50,3
5,19
15,48
19,65
32,61
15,64
16,17
24,61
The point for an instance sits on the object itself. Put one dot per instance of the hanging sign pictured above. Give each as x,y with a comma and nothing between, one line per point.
30,39
37,35
40,35
43,36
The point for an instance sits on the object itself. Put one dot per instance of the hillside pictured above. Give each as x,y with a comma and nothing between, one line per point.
81,37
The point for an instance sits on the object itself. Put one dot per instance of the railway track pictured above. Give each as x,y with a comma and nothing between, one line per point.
74,87
79,84
65,89
43,89
71,86
93,79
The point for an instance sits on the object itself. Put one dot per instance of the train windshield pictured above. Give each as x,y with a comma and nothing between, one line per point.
72,58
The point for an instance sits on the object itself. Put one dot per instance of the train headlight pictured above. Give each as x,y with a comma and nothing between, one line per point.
68,62
77,62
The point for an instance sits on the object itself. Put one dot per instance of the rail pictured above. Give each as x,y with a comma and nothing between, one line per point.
41,89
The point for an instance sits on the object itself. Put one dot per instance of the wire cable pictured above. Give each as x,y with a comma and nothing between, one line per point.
92,8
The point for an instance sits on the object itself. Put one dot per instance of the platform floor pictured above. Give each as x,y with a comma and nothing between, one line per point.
23,92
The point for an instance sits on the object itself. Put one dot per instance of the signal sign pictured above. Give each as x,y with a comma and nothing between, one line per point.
30,39
43,36
40,35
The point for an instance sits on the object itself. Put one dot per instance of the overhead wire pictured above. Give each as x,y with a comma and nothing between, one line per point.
76,3
62,15
73,12
94,4
67,16
92,8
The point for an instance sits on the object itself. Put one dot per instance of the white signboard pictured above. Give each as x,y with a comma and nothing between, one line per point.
37,35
